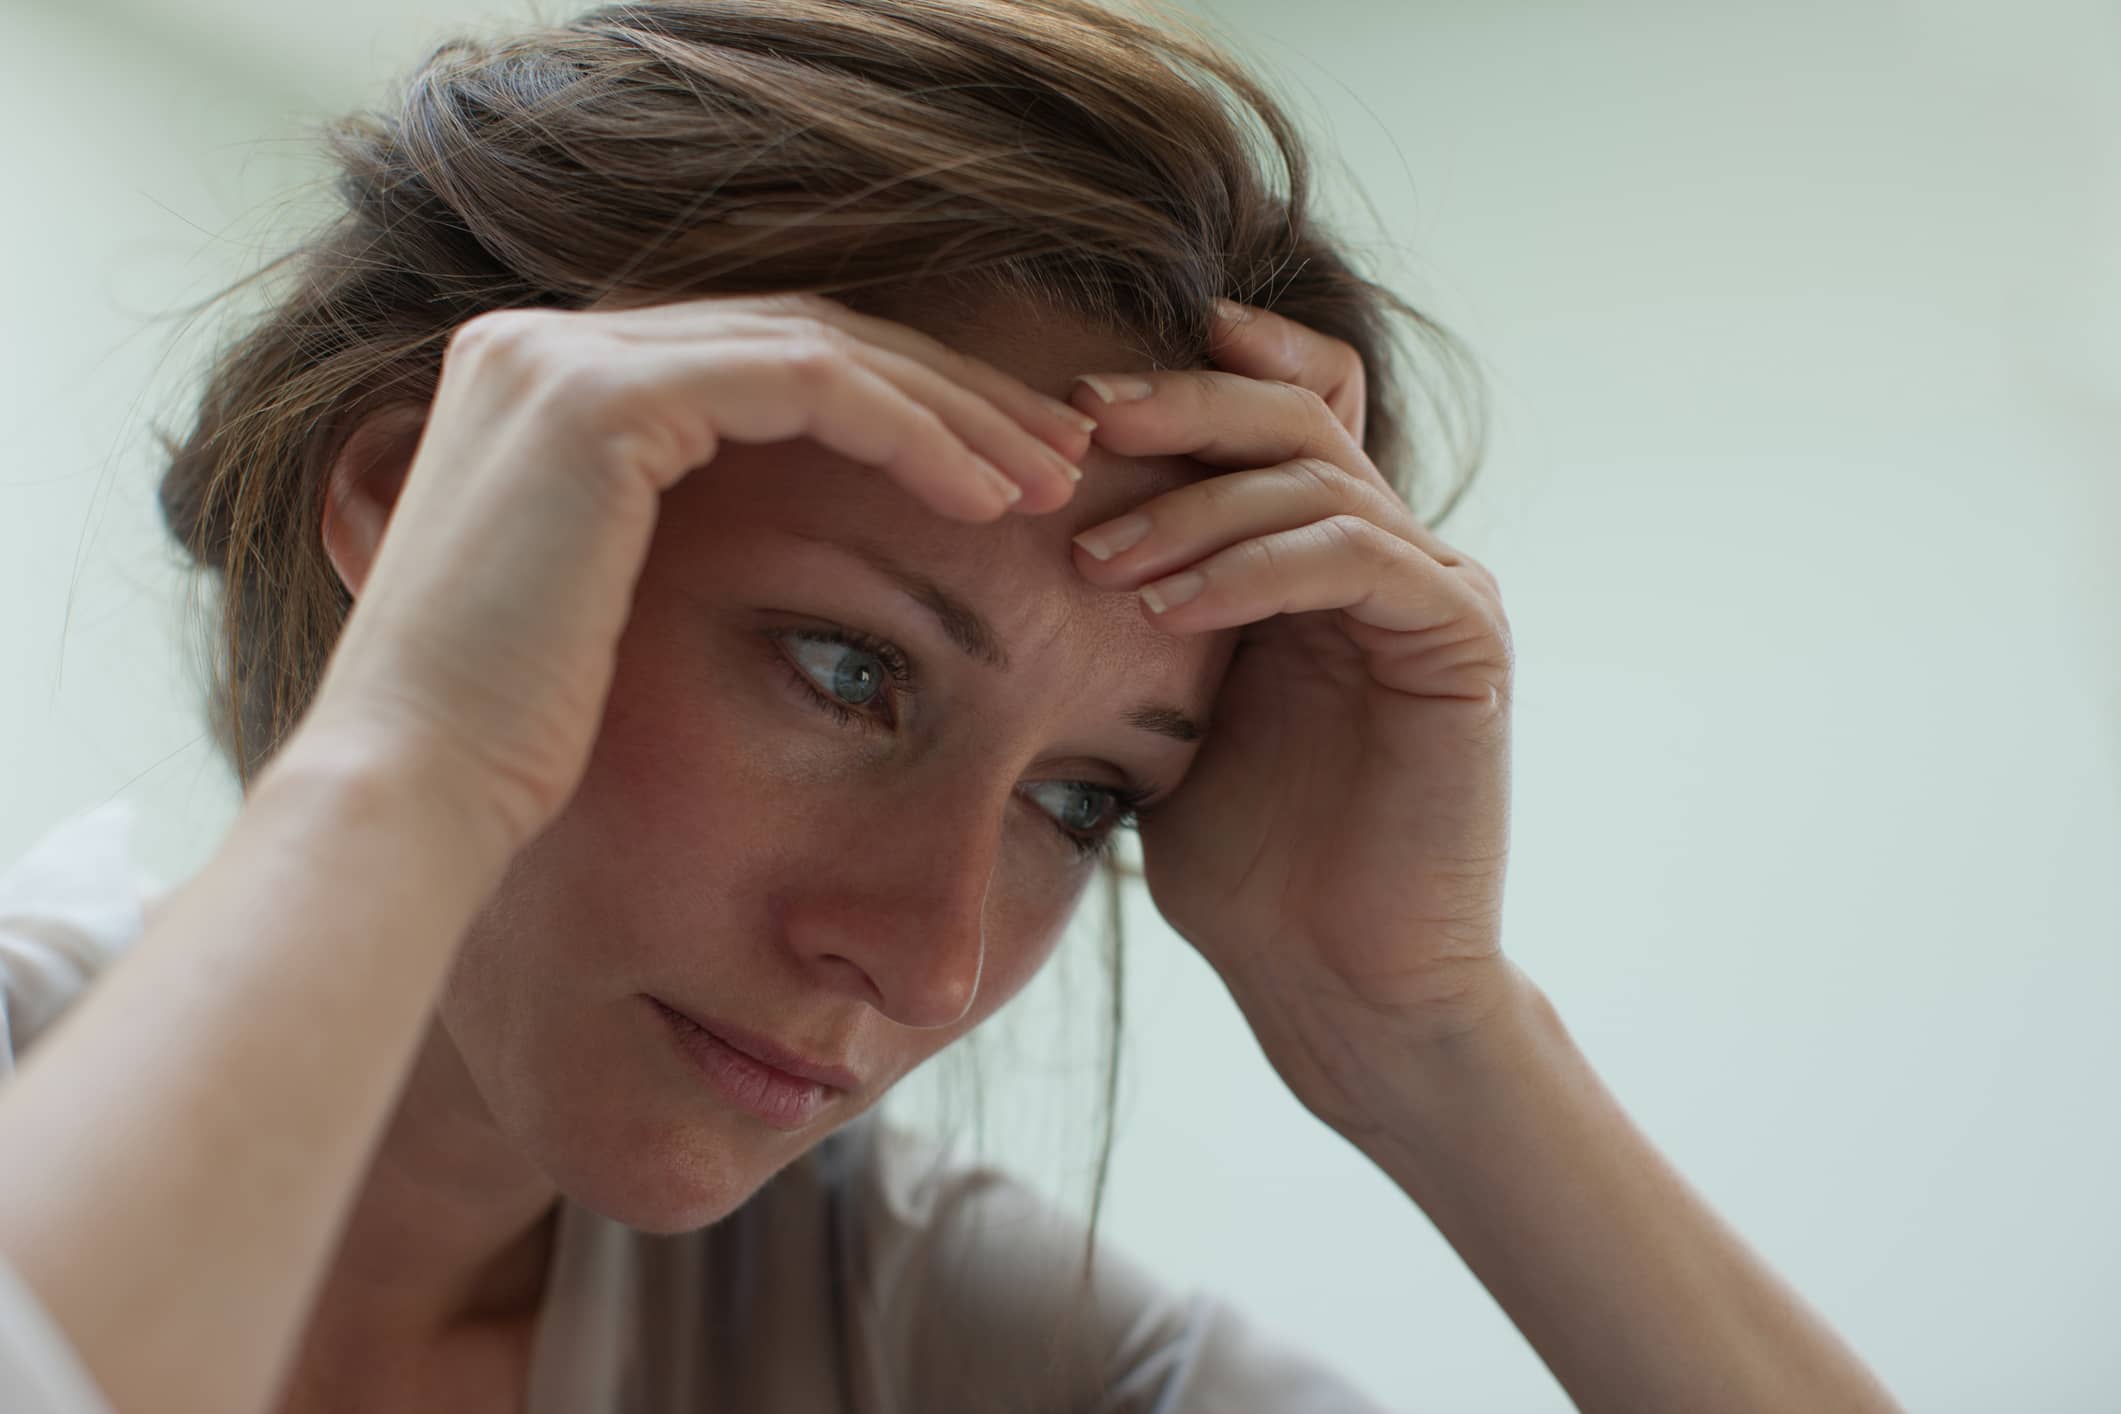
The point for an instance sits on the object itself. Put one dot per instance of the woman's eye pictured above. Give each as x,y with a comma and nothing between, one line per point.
1095,814
853,675
1077,805
846,672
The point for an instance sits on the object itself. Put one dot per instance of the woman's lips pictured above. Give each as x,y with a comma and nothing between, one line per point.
768,1051
781,1098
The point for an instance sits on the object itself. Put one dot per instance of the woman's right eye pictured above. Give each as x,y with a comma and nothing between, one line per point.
846,671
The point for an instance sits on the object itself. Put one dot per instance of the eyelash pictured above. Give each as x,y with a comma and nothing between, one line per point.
1128,800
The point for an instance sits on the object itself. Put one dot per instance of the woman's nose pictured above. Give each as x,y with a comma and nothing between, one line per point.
896,915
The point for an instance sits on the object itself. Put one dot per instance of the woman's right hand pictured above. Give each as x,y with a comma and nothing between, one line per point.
481,648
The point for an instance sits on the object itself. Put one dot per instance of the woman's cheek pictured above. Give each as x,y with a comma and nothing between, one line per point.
1042,884
721,743
699,755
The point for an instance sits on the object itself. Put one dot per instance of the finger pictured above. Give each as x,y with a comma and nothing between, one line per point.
1227,419
1048,478
1262,344
756,392
1031,462
1067,428
997,434
1061,426
1223,419
1194,521
1430,612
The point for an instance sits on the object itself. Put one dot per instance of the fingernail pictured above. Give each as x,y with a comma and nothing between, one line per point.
1229,310
1172,592
1067,468
1072,415
1011,492
1116,387
1109,539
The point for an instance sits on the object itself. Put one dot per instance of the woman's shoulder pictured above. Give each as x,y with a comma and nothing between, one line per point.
69,906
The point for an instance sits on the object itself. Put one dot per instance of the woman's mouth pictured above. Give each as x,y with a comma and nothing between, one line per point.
783,1100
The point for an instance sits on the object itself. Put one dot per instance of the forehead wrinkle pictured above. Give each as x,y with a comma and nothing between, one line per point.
974,635
964,625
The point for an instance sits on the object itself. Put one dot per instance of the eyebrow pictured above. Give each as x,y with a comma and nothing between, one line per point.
970,632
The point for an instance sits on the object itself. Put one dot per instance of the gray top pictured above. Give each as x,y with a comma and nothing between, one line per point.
876,1274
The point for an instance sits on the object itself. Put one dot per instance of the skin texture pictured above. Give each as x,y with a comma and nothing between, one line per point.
864,893
1336,853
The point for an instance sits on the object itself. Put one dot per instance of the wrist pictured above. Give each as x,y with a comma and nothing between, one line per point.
1464,1076
331,783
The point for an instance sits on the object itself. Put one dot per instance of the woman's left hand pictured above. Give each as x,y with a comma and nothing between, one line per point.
1337,850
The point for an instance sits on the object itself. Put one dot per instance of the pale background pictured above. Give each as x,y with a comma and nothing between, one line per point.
1804,324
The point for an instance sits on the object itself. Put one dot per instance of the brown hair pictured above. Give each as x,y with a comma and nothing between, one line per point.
1103,165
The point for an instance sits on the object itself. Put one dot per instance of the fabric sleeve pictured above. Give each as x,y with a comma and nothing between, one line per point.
39,1371
964,1296
67,908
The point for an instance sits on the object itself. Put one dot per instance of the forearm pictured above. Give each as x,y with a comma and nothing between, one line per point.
184,1145
1634,1293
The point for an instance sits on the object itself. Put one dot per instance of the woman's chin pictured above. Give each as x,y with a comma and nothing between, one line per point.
673,1179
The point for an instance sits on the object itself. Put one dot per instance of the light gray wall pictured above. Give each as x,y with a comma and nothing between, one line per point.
1805,330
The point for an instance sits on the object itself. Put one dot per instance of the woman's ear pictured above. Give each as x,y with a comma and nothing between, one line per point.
363,485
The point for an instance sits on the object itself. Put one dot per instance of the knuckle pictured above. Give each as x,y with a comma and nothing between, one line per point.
590,385
802,305
503,333
1353,373
1347,405
1310,405
1316,474
1354,534
1320,480
816,355
1214,494
929,430
1483,574
1266,555
1505,656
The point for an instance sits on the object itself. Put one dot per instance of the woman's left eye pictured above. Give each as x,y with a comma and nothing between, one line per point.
845,671
1112,809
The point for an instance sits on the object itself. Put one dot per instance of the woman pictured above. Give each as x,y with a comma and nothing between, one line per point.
824,499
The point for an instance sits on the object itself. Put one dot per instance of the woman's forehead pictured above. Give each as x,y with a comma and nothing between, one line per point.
1021,568
1043,347
763,505
796,518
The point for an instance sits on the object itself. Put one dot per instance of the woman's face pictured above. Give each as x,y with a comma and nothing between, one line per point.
776,834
